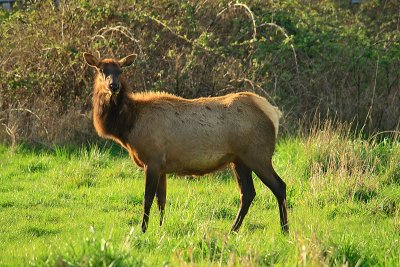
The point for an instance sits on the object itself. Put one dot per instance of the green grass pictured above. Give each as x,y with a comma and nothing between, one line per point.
74,207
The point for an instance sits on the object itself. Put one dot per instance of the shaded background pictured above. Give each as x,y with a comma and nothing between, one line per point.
313,59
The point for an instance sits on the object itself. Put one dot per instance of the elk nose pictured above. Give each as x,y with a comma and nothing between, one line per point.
114,87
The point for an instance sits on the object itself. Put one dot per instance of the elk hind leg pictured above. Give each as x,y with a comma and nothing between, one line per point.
272,180
282,203
247,192
161,196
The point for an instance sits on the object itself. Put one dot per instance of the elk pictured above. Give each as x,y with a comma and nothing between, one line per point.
164,134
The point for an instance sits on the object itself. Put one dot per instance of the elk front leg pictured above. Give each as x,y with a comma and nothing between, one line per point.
161,196
152,178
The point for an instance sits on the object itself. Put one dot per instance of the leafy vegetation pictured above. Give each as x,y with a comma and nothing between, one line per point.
307,57
67,204
82,207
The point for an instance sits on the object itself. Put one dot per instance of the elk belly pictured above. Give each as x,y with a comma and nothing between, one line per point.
197,163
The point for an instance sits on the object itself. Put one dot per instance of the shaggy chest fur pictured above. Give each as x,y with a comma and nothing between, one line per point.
113,116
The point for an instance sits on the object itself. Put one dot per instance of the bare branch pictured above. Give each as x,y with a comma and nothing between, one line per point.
10,133
248,11
165,26
122,30
30,112
369,113
283,31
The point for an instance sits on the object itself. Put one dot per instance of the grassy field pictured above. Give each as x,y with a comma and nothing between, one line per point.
73,207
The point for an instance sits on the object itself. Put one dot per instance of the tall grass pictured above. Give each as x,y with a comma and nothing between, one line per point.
83,207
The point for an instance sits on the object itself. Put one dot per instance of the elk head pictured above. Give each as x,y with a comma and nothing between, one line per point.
109,70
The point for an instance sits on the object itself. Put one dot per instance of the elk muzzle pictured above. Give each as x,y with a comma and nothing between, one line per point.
114,87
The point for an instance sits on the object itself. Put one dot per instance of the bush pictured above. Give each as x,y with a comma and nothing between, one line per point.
325,57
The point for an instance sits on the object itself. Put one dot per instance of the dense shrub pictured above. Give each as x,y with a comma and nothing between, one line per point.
307,57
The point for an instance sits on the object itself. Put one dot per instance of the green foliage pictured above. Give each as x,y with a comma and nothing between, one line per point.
306,57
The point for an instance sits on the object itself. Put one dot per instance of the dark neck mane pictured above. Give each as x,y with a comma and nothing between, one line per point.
113,115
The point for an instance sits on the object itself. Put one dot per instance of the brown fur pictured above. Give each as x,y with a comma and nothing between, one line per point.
164,134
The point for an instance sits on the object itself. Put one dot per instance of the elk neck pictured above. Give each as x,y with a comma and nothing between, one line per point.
113,114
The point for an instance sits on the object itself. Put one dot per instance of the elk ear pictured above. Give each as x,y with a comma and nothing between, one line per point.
127,61
91,60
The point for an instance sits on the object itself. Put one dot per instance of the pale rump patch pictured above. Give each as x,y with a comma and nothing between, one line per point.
272,112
